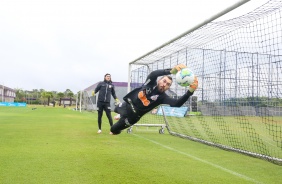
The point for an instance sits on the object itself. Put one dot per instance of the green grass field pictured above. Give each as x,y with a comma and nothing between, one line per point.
59,145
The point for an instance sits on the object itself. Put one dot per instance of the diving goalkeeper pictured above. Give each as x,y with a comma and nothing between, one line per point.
151,94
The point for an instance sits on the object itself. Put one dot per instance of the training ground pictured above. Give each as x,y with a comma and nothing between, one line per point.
60,145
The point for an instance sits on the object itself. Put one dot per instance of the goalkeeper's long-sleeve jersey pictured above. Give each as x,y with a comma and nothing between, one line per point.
152,96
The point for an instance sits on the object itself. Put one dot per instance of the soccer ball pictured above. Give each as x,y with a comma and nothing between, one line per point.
184,77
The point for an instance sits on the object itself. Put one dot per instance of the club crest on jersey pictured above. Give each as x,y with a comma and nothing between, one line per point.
148,90
155,97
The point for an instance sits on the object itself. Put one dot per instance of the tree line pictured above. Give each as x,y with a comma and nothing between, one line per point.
41,96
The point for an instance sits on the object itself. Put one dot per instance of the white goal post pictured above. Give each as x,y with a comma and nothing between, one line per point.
84,101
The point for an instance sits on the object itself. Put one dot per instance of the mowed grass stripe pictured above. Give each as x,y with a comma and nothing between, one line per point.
201,160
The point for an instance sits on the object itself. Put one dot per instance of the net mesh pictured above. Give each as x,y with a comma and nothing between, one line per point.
239,64
85,102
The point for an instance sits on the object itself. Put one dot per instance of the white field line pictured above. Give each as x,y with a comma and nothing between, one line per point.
201,160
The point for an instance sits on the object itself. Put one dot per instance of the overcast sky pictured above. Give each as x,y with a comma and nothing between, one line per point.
70,44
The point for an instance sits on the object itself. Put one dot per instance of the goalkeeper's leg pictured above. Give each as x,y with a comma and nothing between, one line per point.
120,125
124,122
127,118
120,109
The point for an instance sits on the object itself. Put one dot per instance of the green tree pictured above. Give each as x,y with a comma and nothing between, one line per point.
49,95
44,97
69,93
20,95
60,95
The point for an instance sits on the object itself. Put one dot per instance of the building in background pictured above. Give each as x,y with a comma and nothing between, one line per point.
66,101
7,94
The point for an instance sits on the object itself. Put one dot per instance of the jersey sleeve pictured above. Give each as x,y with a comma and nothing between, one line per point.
152,77
98,87
177,102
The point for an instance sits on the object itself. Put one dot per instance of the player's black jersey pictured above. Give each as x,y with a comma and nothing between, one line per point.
147,97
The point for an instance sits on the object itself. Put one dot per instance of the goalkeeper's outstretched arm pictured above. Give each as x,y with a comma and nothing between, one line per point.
179,102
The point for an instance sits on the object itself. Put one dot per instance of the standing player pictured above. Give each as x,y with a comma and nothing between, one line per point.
151,94
106,89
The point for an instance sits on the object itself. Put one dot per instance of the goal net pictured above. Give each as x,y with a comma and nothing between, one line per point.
85,102
238,105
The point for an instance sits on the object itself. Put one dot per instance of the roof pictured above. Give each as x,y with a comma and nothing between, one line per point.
5,87
116,84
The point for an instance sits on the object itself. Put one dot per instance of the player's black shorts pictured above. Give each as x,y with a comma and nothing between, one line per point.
121,108
125,110
106,106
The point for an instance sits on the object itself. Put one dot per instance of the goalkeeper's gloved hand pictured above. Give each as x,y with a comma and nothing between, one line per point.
117,101
93,93
194,85
177,68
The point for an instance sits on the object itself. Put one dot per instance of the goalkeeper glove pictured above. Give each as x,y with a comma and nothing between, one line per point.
177,68
117,101
93,93
194,85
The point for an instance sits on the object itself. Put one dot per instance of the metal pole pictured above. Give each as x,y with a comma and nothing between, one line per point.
236,76
80,101
3,93
224,79
203,74
76,102
129,79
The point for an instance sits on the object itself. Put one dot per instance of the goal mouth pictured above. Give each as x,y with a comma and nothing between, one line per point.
238,102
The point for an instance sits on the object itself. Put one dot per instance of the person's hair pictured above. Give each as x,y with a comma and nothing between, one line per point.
109,75
168,76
